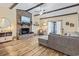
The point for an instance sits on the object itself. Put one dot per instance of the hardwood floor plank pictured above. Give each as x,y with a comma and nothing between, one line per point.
33,51
26,47
26,50
39,52
45,53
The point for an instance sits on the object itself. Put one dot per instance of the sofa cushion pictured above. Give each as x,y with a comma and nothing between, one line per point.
43,40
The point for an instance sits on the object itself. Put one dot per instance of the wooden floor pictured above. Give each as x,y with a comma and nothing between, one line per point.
26,47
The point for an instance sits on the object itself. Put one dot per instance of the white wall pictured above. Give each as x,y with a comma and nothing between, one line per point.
34,20
71,18
9,14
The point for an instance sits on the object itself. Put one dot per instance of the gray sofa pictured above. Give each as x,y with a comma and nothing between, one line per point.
66,44
43,40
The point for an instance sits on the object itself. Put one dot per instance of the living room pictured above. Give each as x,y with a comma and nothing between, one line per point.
38,29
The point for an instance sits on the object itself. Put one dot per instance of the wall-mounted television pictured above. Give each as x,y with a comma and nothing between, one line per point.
25,20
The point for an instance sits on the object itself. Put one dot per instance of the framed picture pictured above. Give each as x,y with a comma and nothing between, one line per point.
67,23
71,25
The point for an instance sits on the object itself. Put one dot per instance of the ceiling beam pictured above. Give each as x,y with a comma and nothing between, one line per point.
34,7
59,15
14,5
59,9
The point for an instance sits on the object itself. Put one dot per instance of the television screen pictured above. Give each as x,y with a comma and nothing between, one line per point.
25,19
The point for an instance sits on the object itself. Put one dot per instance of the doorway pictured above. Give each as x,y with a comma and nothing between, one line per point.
54,27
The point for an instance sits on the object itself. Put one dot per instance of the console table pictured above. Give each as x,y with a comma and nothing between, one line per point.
5,36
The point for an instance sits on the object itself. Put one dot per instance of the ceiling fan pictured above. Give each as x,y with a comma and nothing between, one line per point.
40,11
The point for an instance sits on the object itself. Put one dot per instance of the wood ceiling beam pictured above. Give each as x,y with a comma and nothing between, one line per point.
59,15
59,9
34,7
14,5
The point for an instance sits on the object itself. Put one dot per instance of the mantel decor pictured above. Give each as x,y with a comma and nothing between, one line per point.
36,24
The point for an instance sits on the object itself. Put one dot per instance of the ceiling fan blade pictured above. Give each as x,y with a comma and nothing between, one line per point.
36,11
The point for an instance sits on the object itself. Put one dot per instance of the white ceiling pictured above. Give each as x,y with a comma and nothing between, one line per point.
46,6
7,5
51,6
25,6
